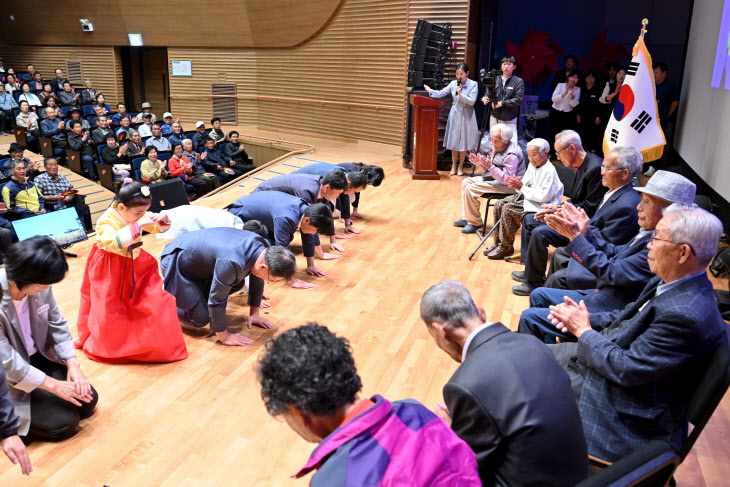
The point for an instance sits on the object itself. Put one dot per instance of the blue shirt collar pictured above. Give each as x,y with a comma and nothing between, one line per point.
664,287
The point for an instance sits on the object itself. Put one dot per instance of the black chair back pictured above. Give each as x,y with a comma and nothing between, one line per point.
567,177
650,466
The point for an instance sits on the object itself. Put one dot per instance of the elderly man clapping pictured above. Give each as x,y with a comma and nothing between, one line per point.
506,160
635,369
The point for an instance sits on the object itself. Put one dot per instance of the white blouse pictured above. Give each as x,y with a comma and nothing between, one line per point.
565,103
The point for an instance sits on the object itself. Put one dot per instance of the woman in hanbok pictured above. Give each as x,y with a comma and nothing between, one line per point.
462,133
125,316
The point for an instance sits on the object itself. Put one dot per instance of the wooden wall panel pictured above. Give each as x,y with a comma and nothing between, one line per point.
214,23
97,63
213,66
360,57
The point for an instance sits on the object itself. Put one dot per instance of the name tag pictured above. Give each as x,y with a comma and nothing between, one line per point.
43,308
510,87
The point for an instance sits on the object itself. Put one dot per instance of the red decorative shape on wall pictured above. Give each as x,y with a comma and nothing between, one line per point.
536,56
602,52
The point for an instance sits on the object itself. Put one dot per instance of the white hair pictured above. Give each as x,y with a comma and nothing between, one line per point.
541,144
505,131
629,158
696,227
185,141
569,137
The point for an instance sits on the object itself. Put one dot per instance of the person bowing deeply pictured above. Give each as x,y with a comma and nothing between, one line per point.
203,268
283,214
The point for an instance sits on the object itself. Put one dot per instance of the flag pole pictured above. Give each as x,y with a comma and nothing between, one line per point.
644,23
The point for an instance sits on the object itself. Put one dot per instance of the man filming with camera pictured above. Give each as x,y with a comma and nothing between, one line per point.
506,95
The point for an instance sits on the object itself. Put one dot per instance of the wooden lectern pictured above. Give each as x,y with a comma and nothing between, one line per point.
425,137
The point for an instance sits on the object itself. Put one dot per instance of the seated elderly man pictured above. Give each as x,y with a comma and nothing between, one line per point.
539,186
505,160
283,214
236,152
312,189
16,152
157,140
22,198
606,276
67,96
204,267
201,135
166,126
216,163
53,128
615,220
75,114
102,129
177,135
146,108
356,184
53,185
80,140
145,130
635,369
509,399
308,377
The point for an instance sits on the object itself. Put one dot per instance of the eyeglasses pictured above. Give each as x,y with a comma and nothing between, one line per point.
654,237
557,153
604,168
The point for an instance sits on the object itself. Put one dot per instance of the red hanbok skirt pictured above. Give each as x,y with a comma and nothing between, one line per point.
114,328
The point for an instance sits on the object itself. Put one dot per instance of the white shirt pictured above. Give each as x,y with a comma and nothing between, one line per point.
609,194
144,130
471,337
21,308
540,186
642,233
565,103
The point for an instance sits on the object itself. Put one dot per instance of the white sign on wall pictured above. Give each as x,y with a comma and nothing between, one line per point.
182,68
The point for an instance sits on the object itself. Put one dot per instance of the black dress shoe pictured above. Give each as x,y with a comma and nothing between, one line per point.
518,276
461,223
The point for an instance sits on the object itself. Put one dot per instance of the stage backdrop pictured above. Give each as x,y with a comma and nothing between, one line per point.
704,112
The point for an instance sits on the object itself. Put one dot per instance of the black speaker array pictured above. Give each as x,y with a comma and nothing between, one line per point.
429,53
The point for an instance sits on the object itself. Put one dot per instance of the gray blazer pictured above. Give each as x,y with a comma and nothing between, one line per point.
9,421
52,339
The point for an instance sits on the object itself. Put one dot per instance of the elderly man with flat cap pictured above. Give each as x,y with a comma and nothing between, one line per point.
605,276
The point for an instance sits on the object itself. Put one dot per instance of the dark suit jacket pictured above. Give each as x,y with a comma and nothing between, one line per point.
588,189
304,186
644,366
212,264
617,221
618,273
280,212
512,403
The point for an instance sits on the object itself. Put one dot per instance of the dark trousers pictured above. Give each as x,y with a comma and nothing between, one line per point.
567,356
558,272
540,238
6,116
53,418
84,212
88,162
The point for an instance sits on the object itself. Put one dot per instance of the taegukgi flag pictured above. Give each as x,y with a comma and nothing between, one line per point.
634,120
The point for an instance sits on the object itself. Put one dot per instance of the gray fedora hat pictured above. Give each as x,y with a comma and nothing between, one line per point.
670,186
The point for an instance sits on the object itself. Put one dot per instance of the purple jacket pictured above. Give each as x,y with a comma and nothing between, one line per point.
402,443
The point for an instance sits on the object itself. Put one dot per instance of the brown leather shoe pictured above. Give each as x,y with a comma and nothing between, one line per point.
501,253
491,249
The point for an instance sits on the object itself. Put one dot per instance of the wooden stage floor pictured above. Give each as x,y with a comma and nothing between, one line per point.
201,421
